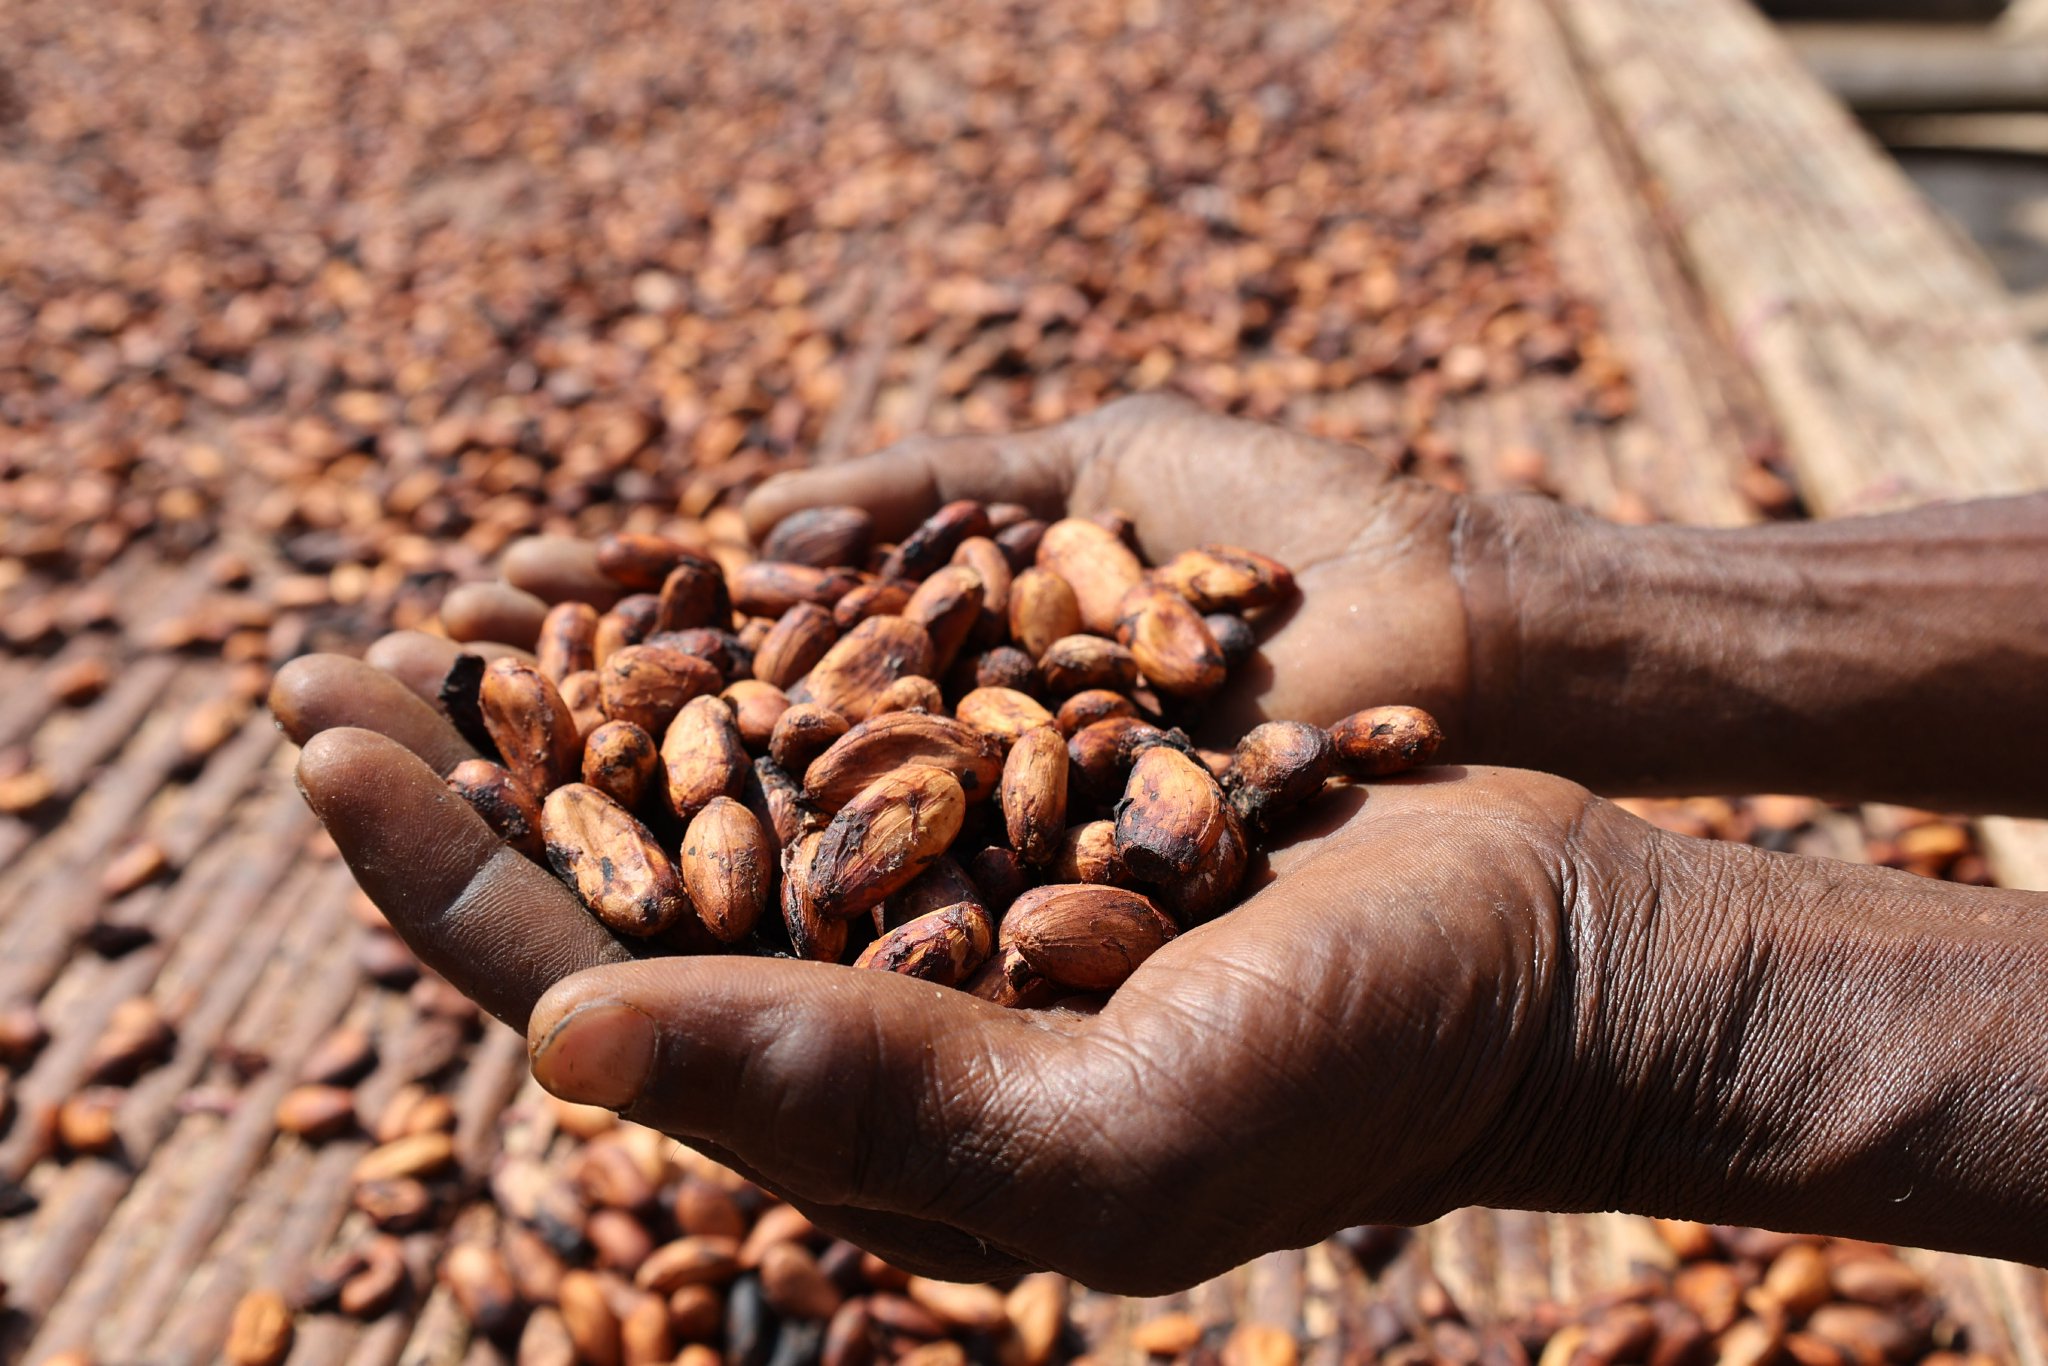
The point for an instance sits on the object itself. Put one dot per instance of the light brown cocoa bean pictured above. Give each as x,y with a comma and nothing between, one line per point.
1042,609
621,1242
812,934
797,641
1382,741
696,1313
1003,713
689,1261
476,1275
948,605
372,1290
316,1113
644,1336
583,691
1096,564
694,594
1222,578
1876,1280
934,540
772,795
769,588
568,640
802,733
619,760
821,537
343,1055
1214,885
649,684
943,884
1034,794
987,560
509,809
756,707
587,1314
1036,1314
1087,853
703,756
637,560
1167,1335
863,662
881,840
1171,816
944,946
793,1284
705,1207
1277,766
1079,663
136,1038
85,1121
713,645
531,725
260,1331
1167,639
142,862
1019,543
1087,937
412,1157
612,860
909,693
880,598
1006,666
728,868
970,1308
777,1224
630,621
1090,705
893,740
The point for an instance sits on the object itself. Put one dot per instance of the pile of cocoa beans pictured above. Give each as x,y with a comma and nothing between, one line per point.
956,757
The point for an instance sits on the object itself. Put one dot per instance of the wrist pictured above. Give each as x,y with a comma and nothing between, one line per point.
1755,1039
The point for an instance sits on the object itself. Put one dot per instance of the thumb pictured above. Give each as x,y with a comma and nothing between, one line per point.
907,482
843,1088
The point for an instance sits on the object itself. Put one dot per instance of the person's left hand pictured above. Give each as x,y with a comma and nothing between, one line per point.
1362,1041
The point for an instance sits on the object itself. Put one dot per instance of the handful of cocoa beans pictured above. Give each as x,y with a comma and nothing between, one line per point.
955,758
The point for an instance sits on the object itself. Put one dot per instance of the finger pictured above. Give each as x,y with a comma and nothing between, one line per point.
489,920
855,1089
559,569
493,611
416,659
906,483
316,693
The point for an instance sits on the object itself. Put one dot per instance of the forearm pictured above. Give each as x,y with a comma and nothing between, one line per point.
1811,1046
1901,658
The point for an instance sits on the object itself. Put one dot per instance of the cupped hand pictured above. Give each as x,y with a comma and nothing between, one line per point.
1372,1037
1382,614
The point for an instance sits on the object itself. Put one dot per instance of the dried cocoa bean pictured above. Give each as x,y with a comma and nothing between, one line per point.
703,756
1087,853
619,760
1171,816
864,661
727,868
1172,648
1078,663
767,588
934,540
948,605
909,693
531,726
639,561
568,640
508,808
1042,609
891,831
649,684
1278,766
1096,564
1003,713
891,741
612,860
1034,793
795,644
756,707
1382,741
821,537
944,946
1083,936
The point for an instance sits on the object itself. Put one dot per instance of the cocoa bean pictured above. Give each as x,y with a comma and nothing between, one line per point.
1382,741
812,934
375,1288
821,537
630,622
909,693
944,946
1042,609
795,644
934,540
694,594
1096,564
1087,853
1222,578
881,598
1090,705
1278,766
894,740
619,760
1168,642
531,726
1034,793
794,1286
1006,666
477,1277
1086,937
316,1113
703,756
727,868
802,733
588,1317
639,561
1233,636
756,707
698,1260
649,685
1003,713
948,605
883,838
767,588
1079,663
507,807
568,640
867,659
1171,816
260,1331
612,860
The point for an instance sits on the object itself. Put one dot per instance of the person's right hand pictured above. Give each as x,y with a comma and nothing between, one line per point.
1382,615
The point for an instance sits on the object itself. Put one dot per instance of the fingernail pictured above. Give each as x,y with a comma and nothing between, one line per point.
600,1054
